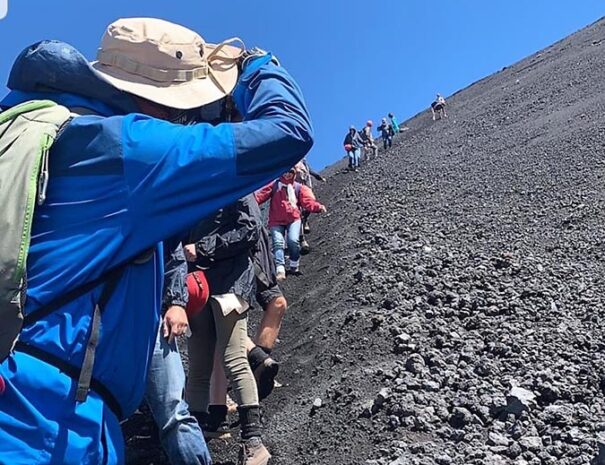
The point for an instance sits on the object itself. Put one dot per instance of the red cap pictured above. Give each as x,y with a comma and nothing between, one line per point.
199,292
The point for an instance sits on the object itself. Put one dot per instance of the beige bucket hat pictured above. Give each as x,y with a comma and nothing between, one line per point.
166,63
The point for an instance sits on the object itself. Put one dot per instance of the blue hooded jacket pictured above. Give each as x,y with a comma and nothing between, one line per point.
121,183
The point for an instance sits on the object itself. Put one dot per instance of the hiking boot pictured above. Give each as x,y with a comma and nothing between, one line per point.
280,274
295,271
265,374
307,228
305,248
214,424
253,452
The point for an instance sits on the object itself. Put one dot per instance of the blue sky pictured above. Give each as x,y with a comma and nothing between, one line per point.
355,60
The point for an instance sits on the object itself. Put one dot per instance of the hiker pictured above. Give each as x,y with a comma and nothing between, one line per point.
353,144
287,198
438,107
222,246
394,123
129,174
386,131
369,147
180,434
273,302
304,175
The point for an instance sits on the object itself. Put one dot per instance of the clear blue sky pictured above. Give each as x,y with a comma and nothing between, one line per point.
354,59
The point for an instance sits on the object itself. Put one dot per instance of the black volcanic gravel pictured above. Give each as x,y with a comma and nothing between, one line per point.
450,312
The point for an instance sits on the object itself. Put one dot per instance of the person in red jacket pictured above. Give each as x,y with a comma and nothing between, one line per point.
288,197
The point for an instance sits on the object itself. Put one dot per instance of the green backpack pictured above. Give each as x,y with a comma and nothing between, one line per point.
27,133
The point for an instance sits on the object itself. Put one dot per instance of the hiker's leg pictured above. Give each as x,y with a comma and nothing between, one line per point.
273,316
218,382
277,237
232,336
294,243
180,434
351,154
356,156
201,346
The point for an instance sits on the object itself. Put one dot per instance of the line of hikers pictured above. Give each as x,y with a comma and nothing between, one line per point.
362,141
358,142
132,219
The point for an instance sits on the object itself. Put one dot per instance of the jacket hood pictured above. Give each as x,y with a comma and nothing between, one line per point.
56,67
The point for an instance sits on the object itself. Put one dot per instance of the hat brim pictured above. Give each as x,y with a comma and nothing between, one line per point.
182,96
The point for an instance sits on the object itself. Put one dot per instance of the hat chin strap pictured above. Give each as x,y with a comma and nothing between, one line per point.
230,61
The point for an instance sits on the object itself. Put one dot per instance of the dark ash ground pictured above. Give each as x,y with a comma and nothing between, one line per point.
467,261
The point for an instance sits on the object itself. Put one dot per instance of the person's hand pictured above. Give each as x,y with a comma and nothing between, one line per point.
323,209
175,323
190,252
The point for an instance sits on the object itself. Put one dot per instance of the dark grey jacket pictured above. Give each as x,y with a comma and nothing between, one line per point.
224,243
175,276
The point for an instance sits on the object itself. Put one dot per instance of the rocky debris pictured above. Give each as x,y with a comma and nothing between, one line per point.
488,348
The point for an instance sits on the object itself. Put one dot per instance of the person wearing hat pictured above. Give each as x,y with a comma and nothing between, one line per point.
129,170
394,123
369,147
353,144
387,133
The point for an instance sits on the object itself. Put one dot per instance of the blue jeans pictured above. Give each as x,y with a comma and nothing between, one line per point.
354,156
181,436
278,237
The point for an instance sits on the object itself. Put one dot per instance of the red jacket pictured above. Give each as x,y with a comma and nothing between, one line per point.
281,211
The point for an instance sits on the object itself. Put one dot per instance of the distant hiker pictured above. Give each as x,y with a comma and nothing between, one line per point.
180,434
123,178
369,147
287,198
304,175
223,247
353,144
271,299
394,123
386,131
438,107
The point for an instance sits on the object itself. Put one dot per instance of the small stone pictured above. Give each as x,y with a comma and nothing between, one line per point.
317,403
519,400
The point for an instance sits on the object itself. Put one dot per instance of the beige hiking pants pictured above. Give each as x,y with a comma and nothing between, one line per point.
212,329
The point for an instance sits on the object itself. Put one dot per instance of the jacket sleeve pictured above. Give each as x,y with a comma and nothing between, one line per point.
264,194
176,175
316,175
175,274
235,233
307,200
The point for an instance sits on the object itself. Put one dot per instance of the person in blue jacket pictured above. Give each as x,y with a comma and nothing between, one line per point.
126,174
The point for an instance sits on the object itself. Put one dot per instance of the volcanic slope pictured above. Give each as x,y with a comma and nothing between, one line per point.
450,312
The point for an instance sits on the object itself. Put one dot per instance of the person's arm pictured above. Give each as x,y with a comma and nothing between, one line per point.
264,194
175,273
308,202
175,296
175,175
316,175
